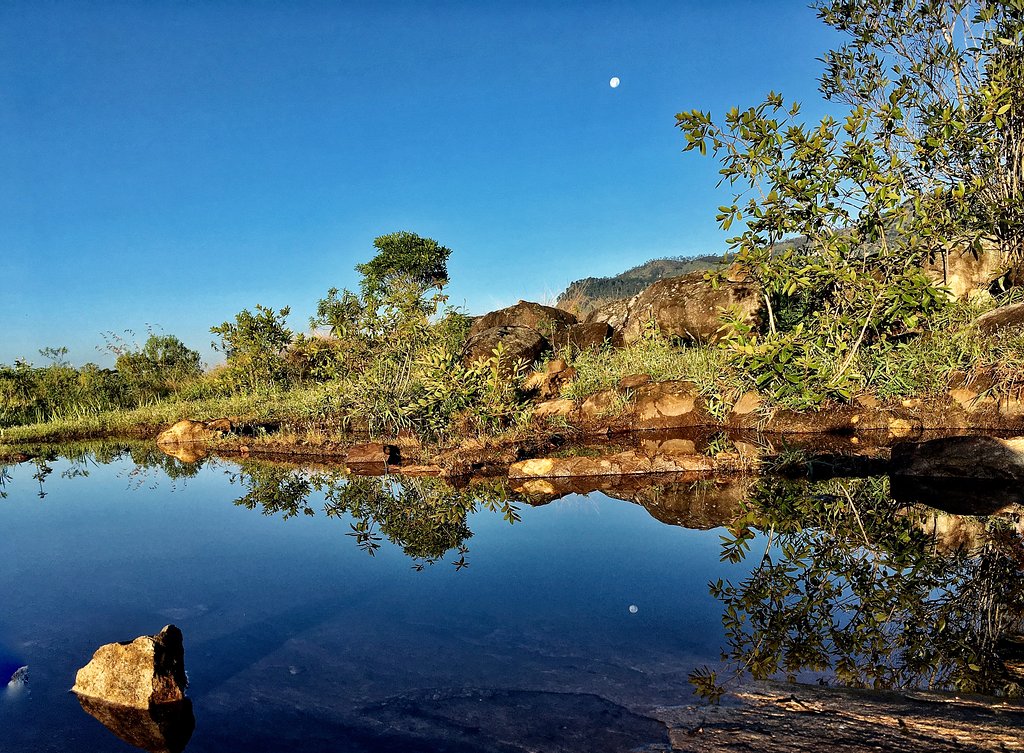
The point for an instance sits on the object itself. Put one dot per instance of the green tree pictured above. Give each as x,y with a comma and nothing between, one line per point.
156,369
255,345
926,159
407,257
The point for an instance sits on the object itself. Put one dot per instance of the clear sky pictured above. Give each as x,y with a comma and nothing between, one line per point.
170,163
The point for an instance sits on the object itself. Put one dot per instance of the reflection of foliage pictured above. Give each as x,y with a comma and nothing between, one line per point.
425,516
5,477
273,489
850,583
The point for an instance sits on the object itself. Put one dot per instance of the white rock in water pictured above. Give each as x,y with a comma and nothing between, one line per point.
19,679
633,609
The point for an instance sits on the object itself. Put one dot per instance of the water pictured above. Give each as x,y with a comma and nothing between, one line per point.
295,637
331,613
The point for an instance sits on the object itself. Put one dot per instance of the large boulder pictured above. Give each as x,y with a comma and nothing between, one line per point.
147,671
583,336
546,320
690,307
612,313
517,344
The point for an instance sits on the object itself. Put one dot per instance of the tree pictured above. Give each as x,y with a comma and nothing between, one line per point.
158,367
407,257
927,158
255,344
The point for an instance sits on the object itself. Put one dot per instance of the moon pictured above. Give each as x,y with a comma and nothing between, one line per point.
614,83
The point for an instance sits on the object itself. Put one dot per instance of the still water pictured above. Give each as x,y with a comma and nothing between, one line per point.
296,638
323,612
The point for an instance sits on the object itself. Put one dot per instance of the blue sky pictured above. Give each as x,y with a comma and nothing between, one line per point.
170,163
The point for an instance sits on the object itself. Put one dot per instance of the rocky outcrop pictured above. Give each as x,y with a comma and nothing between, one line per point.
668,405
546,320
1003,317
690,307
613,314
188,431
145,672
517,344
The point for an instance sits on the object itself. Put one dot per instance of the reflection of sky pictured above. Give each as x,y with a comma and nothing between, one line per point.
294,614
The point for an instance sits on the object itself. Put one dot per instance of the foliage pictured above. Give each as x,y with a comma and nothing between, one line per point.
404,258
158,368
254,345
918,166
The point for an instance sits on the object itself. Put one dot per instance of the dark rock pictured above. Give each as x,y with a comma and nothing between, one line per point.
632,381
690,307
1001,318
372,452
518,344
147,671
166,728
546,320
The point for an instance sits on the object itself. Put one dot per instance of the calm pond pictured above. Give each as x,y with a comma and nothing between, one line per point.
323,612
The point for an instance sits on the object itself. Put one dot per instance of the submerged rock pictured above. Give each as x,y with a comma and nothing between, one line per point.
147,671
166,728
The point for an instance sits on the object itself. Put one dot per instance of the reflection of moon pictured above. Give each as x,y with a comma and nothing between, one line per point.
614,82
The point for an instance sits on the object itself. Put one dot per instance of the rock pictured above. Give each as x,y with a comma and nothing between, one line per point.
372,452
748,403
166,728
548,383
551,408
1003,317
667,405
632,381
966,271
188,431
145,672
519,344
583,336
546,320
690,307
961,458
613,314
599,404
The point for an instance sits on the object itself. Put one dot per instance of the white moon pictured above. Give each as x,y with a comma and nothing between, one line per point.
614,82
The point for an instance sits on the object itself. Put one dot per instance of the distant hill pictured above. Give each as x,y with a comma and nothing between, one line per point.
592,292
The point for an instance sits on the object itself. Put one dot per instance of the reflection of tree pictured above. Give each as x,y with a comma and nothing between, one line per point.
849,583
426,517
274,489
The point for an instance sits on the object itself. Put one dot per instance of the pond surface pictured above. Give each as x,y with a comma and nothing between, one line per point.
330,613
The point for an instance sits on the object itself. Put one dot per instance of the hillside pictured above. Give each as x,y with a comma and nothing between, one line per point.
591,292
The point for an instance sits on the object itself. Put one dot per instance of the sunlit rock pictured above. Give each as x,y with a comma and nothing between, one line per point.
165,728
188,431
516,344
690,307
546,320
140,673
372,453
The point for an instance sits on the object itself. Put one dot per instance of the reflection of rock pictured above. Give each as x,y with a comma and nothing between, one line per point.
957,495
149,670
186,453
953,533
619,464
669,498
165,728
961,457
19,679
